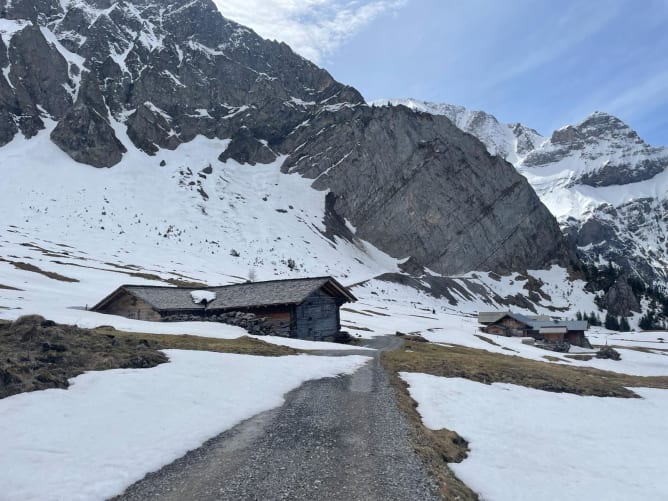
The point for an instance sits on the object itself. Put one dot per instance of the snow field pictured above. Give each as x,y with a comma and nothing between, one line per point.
529,444
110,428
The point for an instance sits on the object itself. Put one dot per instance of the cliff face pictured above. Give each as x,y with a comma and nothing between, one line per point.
418,186
106,76
166,72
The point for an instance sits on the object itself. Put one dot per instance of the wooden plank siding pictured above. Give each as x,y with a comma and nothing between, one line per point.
317,317
507,327
127,305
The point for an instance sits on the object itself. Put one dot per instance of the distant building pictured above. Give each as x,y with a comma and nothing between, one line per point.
541,328
306,308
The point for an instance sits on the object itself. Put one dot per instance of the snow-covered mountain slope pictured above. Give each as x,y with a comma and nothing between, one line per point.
607,187
609,190
73,234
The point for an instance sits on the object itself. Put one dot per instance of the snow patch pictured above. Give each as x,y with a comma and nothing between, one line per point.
552,445
112,427
200,297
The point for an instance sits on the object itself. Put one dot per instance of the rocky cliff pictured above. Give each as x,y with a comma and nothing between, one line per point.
417,186
107,76
607,187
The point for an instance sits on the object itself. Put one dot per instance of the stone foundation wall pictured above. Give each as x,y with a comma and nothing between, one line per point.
258,326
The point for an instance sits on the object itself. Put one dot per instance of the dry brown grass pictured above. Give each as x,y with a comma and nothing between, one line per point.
179,282
35,269
582,357
243,345
38,354
487,340
487,367
7,287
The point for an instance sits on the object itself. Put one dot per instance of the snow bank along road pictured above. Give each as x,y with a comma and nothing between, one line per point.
334,439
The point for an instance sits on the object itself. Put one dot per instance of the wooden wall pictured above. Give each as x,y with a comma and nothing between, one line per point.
127,305
507,327
317,317
577,338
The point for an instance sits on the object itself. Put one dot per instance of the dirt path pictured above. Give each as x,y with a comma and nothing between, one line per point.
334,439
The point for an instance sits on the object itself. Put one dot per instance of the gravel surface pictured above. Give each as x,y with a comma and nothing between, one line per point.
334,439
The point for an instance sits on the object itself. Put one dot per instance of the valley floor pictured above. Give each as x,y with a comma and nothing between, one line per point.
113,427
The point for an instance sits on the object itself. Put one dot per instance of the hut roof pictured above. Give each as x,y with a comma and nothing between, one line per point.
230,297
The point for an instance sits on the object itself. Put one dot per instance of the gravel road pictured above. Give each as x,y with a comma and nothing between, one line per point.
334,439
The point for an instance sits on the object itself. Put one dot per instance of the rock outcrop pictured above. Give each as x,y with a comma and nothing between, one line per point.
415,185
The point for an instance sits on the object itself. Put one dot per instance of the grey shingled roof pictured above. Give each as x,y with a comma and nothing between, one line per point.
489,317
228,297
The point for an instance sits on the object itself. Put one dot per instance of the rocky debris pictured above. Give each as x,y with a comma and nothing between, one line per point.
608,353
342,337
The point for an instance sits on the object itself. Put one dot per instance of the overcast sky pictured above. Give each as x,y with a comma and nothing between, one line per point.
541,62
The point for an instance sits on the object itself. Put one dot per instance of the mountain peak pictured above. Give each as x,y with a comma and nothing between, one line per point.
597,128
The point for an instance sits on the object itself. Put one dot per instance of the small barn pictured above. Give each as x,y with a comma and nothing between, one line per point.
541,328
306,308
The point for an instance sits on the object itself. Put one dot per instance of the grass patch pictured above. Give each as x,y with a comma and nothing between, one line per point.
487,367
7,287
149,276
584,358
487,340
358,312
184,283
243,345
35,269
550,358
38,354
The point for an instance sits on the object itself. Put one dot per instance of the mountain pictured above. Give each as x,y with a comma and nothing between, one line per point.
607,187
609,190
120,84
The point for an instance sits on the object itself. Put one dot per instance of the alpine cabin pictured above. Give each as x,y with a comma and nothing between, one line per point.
306,308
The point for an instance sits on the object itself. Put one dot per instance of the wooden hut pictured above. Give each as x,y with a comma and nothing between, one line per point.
306,308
